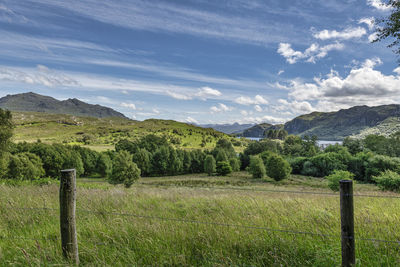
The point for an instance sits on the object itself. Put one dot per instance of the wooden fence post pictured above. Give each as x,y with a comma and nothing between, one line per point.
69,242
347,223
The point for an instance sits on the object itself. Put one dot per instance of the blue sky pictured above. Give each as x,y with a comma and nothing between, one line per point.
199,61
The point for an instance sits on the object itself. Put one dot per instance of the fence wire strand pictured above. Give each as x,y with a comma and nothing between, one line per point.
264,190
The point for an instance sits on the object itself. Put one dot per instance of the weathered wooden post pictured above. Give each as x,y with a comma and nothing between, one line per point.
347,223
69,242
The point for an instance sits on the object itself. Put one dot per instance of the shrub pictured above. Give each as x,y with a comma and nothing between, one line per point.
297,164
309,169
125,171
278,168
210,165
221,155
25,166
388,180
326,163
336,176
378,164
223,168
256,167
104,165
235,164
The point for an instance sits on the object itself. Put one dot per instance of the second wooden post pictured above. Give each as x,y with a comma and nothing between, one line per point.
347,223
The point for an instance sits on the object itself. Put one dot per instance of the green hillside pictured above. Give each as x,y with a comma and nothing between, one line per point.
40,103
104,133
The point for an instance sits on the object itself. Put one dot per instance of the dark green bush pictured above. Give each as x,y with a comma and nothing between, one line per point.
278,168
210,165
223,168
378,164
388,180
235,164
336,176
256,167
25,166
125,171
297,164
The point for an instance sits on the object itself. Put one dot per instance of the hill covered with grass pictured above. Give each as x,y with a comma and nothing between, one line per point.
104,133
40,103
357,121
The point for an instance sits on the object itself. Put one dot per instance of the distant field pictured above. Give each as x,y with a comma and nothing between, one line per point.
168,221
102,134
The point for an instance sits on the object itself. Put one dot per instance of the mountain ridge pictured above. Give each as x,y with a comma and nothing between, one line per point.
355,121
32,102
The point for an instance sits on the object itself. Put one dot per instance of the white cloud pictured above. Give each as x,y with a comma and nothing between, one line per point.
156,111
368,21
128,105
257,100
280,72
207,92
191,120
372,37
346,34
378,4
178,95
311,54
263,119
297,107
258,108
220,108
362,86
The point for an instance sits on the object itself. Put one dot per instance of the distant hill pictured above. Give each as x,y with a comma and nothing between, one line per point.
256,131
228,128
357,121
104,133
39,103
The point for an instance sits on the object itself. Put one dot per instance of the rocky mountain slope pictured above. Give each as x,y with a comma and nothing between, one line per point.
355,121
39,103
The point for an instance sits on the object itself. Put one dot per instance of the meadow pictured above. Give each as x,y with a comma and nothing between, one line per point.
198,220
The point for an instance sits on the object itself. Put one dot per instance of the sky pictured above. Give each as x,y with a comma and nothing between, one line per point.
200,61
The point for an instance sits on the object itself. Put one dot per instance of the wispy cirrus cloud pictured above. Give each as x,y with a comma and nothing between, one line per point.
158,16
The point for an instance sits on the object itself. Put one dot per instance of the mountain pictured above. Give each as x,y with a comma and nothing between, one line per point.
228,128
39,103
357,121
256,131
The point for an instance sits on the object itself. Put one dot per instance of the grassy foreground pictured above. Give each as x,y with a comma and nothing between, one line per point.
117,240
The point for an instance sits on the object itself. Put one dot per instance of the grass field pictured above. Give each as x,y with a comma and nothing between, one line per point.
155,238
103,133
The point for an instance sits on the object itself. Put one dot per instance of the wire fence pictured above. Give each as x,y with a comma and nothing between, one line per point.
325,236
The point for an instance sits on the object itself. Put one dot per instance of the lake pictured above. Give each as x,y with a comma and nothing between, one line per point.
321,143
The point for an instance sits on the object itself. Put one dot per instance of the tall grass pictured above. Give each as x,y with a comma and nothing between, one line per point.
116,240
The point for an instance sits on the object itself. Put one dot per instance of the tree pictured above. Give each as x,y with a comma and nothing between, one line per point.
278,168
235,164
142,158
256,167
25,166
221,155
125,171
6,129
104,165
210,165
389,27
223,168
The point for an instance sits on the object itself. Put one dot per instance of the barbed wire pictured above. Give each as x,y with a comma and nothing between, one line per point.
265,190
253,227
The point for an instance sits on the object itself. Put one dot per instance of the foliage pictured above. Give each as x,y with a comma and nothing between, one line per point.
336,176
142,158
389,27
280,134
379,164
104,165
354,146
210,165
223,168
296,146
6,130
388,180
256,167
25,166
221,155
297,164
235,164
125,171
278,168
